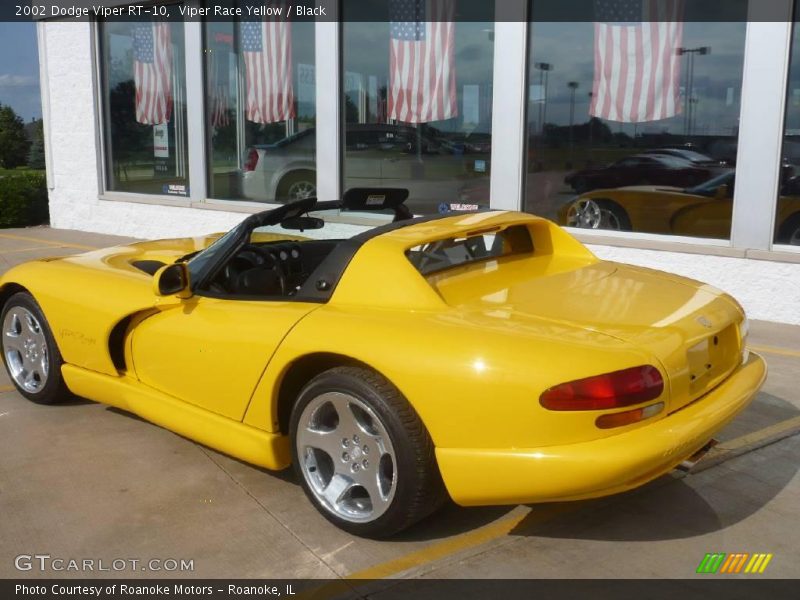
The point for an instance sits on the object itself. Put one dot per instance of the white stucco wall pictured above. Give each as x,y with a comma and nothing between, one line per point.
768,290
67,89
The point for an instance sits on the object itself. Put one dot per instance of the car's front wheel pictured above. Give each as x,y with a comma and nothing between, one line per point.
364,458
589,213
31,356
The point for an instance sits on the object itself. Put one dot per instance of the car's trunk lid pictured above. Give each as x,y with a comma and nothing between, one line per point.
691,328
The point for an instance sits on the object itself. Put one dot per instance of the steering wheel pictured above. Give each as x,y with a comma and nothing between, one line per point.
262,257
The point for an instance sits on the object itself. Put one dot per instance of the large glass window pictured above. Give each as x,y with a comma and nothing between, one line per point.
143,74
787,220
418,102
633,116
260,110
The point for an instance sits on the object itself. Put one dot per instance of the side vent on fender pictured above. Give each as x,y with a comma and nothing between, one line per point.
148,266
116,344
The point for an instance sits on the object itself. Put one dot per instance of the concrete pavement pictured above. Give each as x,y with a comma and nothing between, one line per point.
84,481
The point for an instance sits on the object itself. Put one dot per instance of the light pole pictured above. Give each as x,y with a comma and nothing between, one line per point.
544,70
689,86
572,85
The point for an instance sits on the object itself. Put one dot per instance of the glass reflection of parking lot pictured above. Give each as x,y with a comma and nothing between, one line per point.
643,108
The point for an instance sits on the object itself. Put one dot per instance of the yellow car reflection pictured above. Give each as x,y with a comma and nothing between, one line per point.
701,211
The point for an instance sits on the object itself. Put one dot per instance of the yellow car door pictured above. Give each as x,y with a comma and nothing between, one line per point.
211,352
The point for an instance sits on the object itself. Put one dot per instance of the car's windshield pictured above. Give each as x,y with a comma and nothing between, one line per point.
197,261
709,188
670,161
290,240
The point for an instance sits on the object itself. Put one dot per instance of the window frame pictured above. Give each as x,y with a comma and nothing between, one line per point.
760,138
100,108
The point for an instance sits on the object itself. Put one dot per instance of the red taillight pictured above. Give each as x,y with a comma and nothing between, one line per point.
602,392
252,160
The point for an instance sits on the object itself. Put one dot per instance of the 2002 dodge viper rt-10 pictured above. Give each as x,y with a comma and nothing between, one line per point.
487,355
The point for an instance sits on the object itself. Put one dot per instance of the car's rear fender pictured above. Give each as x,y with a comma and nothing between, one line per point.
474,384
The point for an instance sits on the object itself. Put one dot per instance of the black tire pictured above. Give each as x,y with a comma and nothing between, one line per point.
790,231
287,188
419,488
54,389
618,213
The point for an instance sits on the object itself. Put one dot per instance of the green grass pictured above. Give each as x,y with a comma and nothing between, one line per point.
19,170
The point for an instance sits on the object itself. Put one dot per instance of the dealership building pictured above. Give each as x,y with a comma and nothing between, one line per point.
661,136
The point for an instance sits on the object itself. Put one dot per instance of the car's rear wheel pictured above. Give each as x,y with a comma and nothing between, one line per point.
298,185
598,214
31,356
364,458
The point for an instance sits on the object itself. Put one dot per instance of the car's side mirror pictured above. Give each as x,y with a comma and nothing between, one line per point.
172,280
723,192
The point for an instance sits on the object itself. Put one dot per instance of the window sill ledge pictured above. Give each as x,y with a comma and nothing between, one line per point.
710,247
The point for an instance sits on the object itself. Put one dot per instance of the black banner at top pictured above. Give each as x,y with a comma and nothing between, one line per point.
540,11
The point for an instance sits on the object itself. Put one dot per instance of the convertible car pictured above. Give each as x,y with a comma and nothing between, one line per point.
487,355
704,210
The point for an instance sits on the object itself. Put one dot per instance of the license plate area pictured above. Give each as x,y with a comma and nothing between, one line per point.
711,359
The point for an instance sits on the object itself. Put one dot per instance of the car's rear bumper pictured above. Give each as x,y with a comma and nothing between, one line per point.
600,467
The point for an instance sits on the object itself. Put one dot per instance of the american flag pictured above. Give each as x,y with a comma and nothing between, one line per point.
267,51
636,61
152,72
422,76
220,80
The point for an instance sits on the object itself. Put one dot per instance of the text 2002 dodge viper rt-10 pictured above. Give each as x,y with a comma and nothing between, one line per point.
487,355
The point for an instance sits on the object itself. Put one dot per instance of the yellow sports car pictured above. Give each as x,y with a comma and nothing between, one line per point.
486,355
704,210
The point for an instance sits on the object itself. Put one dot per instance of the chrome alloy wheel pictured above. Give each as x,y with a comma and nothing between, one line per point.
25,349
588,214
300,190
585,214
346,457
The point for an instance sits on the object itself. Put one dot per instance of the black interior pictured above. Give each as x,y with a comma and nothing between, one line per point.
271,269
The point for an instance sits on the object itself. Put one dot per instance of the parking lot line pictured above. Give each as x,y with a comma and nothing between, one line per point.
465,541
774,350
6,388
719,454
748,443
23,238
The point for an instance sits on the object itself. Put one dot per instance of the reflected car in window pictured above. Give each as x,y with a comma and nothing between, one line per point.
434,165
700,211
285,170
640,169
693,156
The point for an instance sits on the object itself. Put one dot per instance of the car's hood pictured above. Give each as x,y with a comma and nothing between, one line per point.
646,189
142,257
665,315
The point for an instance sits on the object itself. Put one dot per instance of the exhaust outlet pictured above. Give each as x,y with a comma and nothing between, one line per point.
688,464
